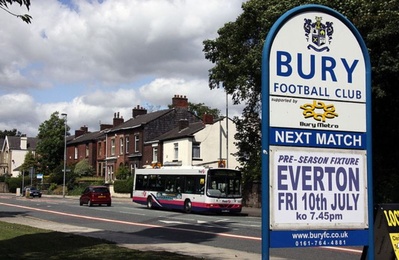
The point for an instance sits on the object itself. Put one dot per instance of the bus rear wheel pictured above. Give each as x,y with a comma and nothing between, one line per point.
149,203
187,206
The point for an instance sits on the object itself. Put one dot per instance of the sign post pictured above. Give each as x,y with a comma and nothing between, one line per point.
316,133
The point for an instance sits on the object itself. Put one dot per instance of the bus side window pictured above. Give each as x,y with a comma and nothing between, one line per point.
178,184
189,187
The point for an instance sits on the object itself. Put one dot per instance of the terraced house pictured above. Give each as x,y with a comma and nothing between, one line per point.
170,137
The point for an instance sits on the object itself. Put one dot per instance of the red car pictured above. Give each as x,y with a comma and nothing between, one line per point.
95,195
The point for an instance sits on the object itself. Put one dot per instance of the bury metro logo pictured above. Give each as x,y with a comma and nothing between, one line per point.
318,34
319,111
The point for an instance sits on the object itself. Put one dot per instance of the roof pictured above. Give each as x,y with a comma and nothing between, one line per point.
14,142
141,120
176,133
88,137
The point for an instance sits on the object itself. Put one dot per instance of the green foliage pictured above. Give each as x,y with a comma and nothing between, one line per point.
123,186
52,186
4,177
29,162
24,17
86,181
50,147
76,191
13,132
200,109
14,183
122,173
83,168
237,52
25,242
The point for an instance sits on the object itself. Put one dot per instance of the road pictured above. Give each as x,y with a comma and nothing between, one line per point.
126,223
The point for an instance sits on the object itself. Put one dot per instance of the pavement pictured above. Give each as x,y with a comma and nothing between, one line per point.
189,249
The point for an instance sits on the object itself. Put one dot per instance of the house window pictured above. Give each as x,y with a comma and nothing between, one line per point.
196,151
87,150
176,151
99,149
121,145
155,153
113,146
127,144
136,143
76,153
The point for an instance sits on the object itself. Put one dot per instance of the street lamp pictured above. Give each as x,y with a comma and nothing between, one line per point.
65,153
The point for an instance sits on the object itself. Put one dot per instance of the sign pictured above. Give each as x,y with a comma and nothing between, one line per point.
387,231
317,189
316,132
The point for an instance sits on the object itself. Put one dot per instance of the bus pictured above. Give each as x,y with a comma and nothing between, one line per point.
196,189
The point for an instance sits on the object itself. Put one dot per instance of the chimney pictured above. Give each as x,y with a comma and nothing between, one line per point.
179,102
183,123
24,142
117,120
137,111
207,119
83,130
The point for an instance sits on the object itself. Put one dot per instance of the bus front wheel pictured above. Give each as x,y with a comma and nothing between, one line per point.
187,206
149,203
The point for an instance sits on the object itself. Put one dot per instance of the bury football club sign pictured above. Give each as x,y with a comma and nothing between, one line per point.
316,132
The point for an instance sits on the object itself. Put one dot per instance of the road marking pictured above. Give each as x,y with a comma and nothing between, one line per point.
134,223
172,222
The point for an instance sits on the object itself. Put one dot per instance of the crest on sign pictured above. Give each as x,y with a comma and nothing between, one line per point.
318,34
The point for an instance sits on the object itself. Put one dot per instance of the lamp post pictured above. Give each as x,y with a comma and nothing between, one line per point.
65,154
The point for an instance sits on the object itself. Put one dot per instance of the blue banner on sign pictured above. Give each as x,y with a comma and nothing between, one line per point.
317,138
311,238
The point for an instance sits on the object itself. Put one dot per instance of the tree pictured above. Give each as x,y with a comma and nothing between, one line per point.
50,147
29,162
123,172
24,17
237,52
13,132
200,109
83,168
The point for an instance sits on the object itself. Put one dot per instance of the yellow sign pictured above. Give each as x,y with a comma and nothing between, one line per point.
395,243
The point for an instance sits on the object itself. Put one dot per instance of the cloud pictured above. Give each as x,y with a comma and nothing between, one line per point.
91,59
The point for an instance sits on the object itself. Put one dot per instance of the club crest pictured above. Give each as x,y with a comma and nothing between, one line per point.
318,34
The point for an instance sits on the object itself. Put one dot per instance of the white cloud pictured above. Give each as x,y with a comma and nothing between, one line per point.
92,59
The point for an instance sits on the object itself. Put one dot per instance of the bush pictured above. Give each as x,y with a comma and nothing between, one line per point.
14,183
123,186
122,173
76,191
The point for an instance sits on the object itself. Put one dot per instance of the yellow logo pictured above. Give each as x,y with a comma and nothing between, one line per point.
311,110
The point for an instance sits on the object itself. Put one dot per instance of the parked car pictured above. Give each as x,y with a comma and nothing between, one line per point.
33,192
95,195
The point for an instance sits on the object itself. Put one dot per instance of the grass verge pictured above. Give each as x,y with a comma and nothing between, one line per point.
24,242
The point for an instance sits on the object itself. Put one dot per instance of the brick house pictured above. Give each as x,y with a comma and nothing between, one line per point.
129,144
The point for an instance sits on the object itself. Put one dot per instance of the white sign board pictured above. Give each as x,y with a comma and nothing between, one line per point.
319,65
318,188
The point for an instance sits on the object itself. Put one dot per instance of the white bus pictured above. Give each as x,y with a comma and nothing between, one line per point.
189,189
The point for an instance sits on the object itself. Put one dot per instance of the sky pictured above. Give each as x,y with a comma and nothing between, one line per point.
91,59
